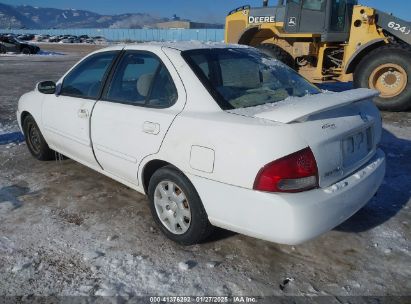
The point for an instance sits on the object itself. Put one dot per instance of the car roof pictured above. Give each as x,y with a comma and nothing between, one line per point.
180,46
195,45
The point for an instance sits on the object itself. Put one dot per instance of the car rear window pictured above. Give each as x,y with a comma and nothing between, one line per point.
244,77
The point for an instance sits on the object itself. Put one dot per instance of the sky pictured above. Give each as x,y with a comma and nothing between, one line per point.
198,10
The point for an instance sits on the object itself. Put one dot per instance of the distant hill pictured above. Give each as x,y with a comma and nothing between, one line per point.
10,17
27,16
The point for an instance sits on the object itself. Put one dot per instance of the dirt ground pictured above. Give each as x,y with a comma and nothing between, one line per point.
67,230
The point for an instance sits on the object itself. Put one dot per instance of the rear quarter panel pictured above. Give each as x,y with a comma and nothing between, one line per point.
242,146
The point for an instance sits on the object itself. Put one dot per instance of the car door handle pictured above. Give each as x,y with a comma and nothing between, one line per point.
82,113
151,127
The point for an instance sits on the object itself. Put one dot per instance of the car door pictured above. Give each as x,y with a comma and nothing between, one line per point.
137,108
66,115
9,44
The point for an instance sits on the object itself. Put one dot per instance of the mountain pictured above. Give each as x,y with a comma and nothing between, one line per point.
11,18
26,16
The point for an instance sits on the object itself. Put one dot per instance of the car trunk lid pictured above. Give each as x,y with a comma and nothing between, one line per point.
342,129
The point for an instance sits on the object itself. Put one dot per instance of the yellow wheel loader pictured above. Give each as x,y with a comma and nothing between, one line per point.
332,40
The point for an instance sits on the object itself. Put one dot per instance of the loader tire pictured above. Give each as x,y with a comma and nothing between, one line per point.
388,70
278,53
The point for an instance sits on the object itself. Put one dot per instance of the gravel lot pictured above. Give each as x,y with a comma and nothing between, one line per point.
66,230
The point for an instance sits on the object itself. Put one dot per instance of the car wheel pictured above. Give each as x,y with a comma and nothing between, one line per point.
177,207
278,53
35,141
26,51
3,49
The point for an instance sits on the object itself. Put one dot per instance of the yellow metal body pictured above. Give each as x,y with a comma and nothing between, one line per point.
364,34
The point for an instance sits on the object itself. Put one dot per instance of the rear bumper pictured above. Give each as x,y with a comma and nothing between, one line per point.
290,218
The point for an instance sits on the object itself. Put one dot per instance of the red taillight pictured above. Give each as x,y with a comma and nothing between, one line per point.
293,173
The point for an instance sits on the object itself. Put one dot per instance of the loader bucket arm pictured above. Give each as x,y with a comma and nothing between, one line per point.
395,26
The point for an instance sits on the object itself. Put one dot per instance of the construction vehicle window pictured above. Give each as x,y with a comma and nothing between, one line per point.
240,78
338,15
294,1
315,5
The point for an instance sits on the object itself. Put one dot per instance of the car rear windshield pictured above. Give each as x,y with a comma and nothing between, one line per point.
245,77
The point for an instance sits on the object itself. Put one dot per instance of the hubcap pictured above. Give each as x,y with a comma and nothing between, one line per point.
34,138
390,79
172,207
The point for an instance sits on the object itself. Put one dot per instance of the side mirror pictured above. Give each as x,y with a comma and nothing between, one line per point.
47,87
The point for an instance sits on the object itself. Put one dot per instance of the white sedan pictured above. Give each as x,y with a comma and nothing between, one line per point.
215,135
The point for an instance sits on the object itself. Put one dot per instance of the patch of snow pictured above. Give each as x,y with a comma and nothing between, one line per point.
183,266
40,53
21,266
5,129
196,44
6,245
294,108
112,238
212,264
92,255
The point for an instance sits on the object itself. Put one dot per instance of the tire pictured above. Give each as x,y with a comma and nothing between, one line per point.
26,51
178,202
278,53
392,62
35,141
3,49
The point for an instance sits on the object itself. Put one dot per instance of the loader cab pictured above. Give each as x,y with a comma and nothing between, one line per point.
329,18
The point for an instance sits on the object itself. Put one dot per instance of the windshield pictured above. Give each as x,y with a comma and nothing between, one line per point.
15,39
240,78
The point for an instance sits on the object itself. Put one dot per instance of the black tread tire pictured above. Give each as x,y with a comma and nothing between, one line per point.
200,228
26,51
278,53
393,53
45,153
3,49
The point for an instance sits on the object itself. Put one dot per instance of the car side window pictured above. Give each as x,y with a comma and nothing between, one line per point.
163,92
86,80
141,79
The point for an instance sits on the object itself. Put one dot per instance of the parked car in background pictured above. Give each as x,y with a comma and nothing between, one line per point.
54,39
26,37
12,44
42,38
99,40
83,38
57,38
215,135
89,41
70,39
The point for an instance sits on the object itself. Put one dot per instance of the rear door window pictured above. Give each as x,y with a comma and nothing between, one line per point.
142,79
